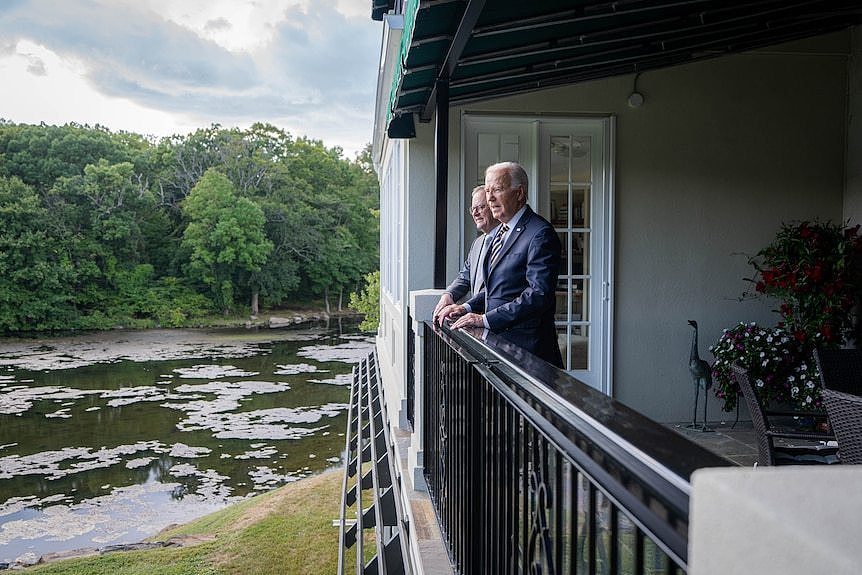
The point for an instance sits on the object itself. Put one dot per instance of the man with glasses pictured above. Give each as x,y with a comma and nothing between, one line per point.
518,300
469,279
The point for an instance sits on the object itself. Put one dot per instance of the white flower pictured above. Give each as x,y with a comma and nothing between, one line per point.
760,383
807,400
762,354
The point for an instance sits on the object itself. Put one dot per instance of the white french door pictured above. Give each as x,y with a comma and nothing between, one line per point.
569,164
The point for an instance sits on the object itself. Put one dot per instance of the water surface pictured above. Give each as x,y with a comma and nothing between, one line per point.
108,438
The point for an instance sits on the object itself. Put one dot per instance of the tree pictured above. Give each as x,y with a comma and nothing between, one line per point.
225,237
34,274
368,302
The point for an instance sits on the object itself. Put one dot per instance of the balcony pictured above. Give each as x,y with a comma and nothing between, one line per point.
528,470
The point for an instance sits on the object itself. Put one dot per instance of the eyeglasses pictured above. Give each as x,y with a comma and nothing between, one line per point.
478,209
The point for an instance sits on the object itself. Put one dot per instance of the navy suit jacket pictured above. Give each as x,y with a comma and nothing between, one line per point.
472,276
519,298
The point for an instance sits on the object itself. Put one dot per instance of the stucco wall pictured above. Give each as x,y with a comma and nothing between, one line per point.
719,155
421,199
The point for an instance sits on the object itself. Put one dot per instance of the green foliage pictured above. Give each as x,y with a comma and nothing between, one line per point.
225,236
99,229
367,302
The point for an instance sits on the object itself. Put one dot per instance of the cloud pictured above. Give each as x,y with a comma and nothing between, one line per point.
314,76
217,24
36,67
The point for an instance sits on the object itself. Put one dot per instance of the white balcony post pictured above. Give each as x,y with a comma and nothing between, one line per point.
422,303
793,520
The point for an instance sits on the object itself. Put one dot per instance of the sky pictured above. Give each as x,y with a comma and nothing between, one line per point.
165,67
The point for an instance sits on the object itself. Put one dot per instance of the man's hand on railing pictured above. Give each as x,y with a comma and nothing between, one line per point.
469,320
449,312
445,301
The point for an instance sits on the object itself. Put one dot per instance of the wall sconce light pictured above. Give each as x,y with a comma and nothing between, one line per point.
636,99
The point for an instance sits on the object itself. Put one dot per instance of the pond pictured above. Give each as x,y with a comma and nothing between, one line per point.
108,438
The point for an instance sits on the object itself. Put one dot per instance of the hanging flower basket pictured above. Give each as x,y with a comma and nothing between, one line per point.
780,370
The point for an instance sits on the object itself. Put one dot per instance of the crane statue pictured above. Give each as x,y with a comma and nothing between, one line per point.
701,374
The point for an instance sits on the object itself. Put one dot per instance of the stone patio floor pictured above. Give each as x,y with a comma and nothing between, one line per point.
735,443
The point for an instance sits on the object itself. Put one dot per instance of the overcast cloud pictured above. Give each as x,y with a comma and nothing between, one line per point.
169,66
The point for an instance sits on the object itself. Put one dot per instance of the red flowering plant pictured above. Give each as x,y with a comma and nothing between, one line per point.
814,270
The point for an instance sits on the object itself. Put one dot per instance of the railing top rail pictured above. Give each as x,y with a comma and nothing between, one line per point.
622,433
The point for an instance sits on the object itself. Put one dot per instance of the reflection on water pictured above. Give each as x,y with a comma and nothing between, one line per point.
109,438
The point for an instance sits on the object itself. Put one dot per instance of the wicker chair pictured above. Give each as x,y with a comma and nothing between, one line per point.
766,430
841,375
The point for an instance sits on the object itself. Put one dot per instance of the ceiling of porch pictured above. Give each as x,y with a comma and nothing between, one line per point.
503,47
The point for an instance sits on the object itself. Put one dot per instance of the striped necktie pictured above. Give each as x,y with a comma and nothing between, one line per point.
497,245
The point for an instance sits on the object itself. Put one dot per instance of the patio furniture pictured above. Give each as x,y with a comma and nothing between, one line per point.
768,428
840,369
841,375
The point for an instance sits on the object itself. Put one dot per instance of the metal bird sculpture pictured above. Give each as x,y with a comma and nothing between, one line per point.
701,374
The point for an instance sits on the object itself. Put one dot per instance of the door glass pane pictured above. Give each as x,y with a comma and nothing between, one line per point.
564,255
562,310
560,147
581,148
580,217
580,347
560,205
569,185
578,300
580,249
563,342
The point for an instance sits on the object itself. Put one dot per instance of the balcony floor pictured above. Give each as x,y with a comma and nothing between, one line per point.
736,444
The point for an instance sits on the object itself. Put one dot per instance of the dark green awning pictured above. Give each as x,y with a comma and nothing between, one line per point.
490,48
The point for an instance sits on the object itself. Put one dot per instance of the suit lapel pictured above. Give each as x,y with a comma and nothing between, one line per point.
514,234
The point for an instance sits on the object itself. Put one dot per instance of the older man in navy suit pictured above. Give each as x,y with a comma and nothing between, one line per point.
471,277
521,268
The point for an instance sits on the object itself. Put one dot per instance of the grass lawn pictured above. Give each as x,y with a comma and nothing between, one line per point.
286,531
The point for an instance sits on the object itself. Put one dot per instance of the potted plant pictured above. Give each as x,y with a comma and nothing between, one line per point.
813,270
772,357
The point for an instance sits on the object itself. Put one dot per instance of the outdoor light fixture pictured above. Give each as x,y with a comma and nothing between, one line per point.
636,99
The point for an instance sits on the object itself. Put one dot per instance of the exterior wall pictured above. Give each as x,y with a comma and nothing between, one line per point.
421,197
392,340
706,170
417,202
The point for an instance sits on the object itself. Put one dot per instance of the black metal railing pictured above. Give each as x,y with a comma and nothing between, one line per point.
531,471
371,520
411,375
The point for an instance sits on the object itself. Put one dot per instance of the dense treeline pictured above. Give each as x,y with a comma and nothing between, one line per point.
100,228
